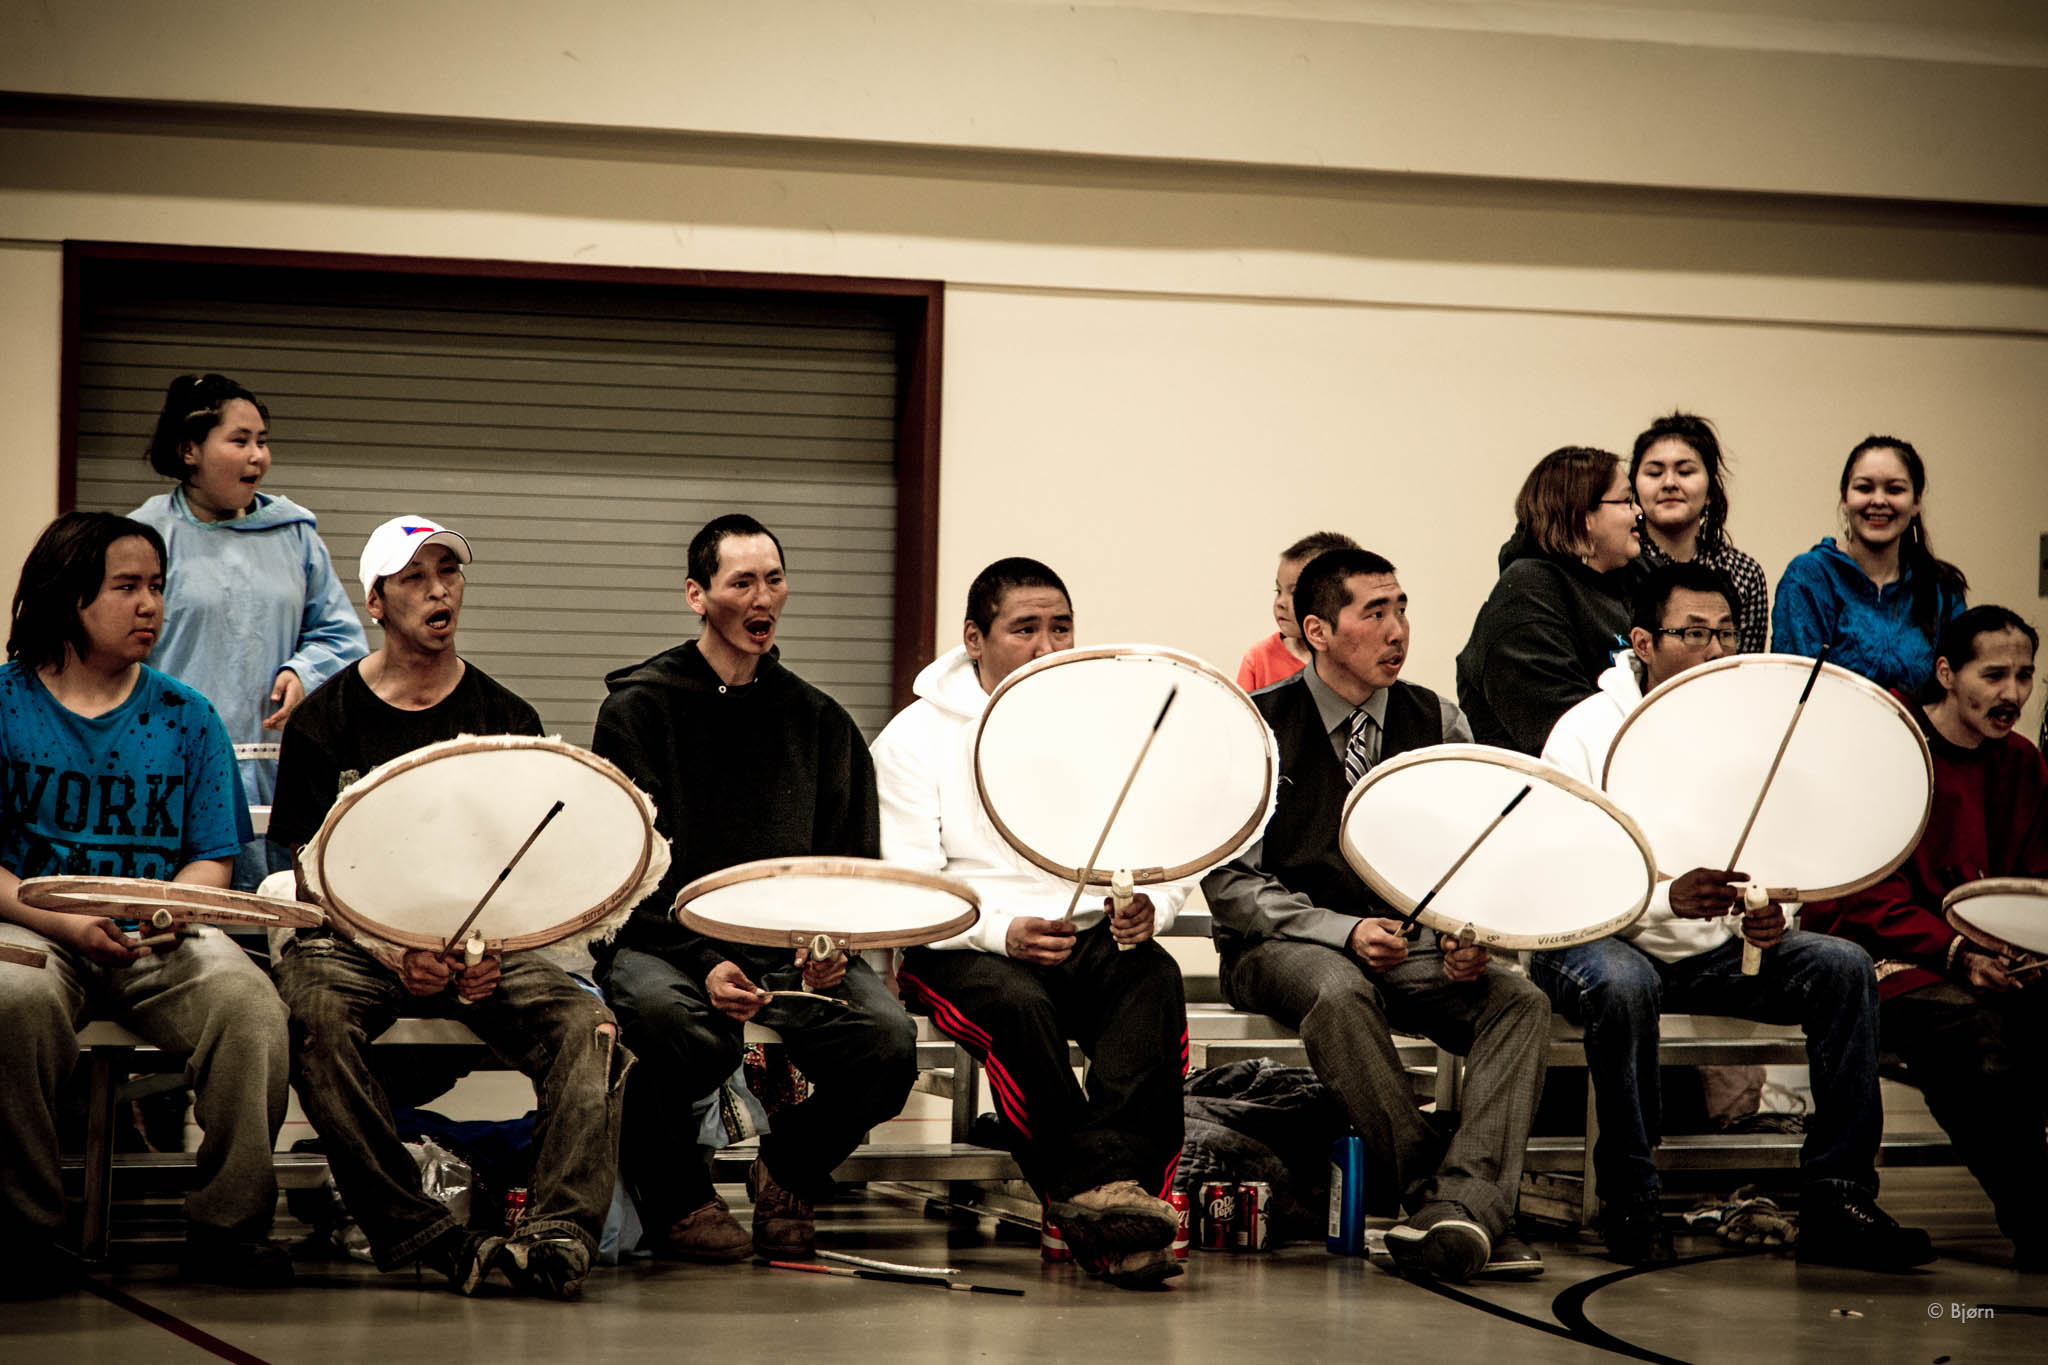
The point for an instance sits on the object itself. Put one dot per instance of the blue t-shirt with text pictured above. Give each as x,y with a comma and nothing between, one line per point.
138,792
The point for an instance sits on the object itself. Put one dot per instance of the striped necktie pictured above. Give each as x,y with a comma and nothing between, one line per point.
1357,750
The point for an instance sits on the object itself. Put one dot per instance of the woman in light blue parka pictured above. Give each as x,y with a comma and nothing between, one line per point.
254,616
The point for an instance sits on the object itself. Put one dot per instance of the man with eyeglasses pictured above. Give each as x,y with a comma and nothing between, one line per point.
1685,955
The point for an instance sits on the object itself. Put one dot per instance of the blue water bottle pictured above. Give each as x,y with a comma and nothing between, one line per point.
1347,1197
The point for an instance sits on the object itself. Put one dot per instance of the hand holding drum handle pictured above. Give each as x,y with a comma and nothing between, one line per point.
1753,956
1754,897
1122,891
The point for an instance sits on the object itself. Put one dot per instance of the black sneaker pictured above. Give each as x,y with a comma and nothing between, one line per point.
1634,1231
465,1258
1439,1241
550,1268
1850,1229
211,1256
1148,1269
1512,1259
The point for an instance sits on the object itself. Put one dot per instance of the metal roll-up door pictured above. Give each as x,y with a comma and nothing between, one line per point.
578,434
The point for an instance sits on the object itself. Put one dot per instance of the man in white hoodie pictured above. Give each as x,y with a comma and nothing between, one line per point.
1019,984
1685,955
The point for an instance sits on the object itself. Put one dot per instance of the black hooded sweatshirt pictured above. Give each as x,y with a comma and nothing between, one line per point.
1547,632
772,769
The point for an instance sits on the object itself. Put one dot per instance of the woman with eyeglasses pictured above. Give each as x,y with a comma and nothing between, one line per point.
1561,607
1678,473
1879,599
254,616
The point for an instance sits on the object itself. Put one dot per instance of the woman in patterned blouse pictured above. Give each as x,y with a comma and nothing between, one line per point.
1677,474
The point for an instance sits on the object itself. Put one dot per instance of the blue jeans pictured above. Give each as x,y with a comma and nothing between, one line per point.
1615,991
538,1020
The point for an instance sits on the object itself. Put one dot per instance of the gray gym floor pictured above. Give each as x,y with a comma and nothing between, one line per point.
1297,1304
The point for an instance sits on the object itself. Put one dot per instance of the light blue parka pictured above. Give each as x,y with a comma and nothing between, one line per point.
245,598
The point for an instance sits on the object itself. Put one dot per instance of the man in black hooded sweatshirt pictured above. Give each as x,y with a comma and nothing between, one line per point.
743,760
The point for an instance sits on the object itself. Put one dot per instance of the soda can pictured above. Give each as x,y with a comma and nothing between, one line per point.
1219,1215
1052,1243
515,1209
1254,1201
1180,1234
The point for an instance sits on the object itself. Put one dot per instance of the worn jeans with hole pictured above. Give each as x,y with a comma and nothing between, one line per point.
204,999
538,1021
1615,991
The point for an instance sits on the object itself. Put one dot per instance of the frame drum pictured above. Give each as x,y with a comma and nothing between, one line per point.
144,899
2008,915
855,902
409,850
1847,806
1057,740
1566,867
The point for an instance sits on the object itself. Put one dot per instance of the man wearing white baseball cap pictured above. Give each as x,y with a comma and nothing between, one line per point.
413,691
393,545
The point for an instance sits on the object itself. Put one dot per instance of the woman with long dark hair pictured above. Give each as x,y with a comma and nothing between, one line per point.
1880,599
1680,478
255,617
1560,608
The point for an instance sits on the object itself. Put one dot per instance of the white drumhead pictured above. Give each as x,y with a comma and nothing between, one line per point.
408,851
1847,805
2001,913
1565,867
1057,741
863,902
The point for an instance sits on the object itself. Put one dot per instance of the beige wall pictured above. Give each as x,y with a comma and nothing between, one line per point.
1158,371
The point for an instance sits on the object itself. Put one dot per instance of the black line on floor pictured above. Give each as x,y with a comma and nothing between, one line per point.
176,1326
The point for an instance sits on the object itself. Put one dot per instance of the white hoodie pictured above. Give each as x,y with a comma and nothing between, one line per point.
932,817
1578,744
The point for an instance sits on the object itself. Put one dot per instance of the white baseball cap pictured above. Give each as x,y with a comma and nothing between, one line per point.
392,546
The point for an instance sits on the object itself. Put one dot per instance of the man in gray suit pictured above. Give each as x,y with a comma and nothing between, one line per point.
1303,940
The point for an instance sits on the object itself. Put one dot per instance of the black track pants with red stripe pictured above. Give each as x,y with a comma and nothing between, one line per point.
1126,1010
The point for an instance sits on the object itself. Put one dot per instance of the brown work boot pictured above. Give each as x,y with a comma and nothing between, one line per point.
710,1233
784,1227
1115,1218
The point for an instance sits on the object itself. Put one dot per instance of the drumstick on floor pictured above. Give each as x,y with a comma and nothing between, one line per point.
1081,882
1753,956
457,936
889,1277
1408,920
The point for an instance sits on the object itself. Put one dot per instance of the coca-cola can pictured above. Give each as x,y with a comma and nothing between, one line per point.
515,1209
1180,1234
1052,1243
1219,1215
1254,1199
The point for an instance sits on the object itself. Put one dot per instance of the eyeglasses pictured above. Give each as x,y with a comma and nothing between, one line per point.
1696,637
1629,501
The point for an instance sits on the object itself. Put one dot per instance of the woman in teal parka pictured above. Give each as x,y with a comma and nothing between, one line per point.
254,616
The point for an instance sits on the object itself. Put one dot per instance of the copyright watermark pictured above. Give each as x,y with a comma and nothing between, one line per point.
1960,1312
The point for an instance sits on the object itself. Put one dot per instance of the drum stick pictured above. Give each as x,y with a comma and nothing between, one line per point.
1081,883
457,936
1408,920
23,957
848,1272
1753,956
893,1267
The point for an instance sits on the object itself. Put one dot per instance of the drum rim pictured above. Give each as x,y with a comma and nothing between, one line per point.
1519,762
1141,876
825,865
65,888
314,855
1834,671
1952,903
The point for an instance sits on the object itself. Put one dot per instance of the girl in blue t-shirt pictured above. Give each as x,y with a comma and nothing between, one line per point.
1881,598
